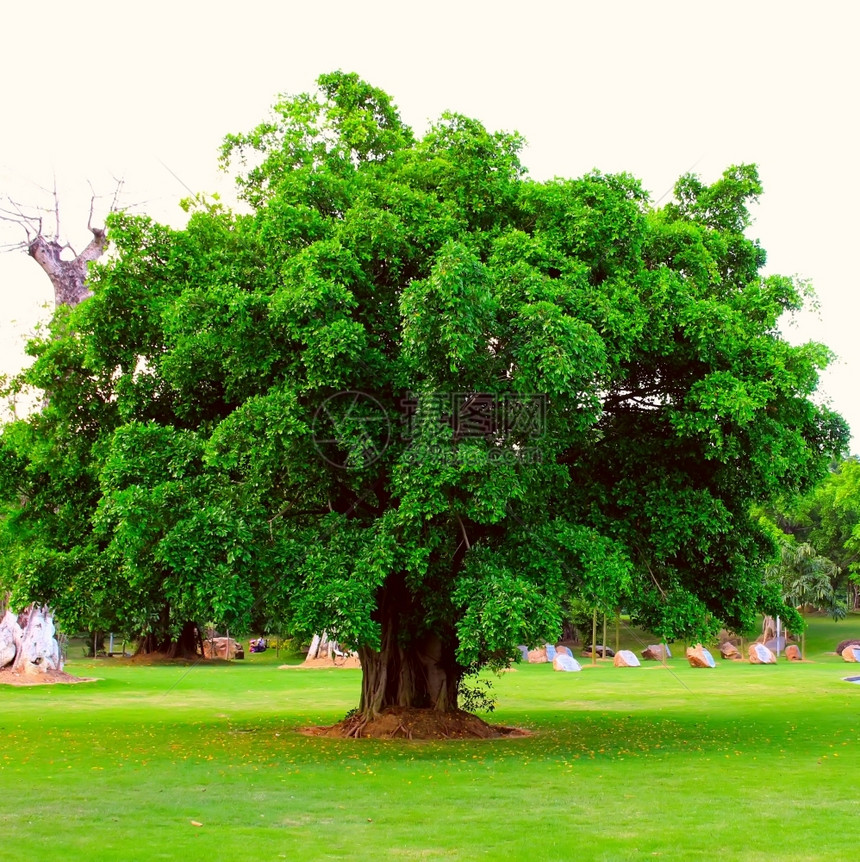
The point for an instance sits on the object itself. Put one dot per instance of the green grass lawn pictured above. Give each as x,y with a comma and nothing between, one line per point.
739,762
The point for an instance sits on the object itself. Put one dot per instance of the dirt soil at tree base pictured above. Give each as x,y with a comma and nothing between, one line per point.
405,723
345,662
50,678
162,658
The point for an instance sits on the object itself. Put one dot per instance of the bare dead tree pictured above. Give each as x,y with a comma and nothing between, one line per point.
66,268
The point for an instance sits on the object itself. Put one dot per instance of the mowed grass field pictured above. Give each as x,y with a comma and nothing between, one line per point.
740,762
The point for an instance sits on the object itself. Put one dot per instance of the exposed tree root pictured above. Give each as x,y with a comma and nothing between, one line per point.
415,724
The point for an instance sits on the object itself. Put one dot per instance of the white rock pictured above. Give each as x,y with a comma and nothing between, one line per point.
625,658
565,663
760,654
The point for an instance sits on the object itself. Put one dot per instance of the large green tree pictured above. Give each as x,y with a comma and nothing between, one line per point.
413,398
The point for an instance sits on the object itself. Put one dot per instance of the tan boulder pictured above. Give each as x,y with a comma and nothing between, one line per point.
538,656
729,651
843,644
851,653
600,650
792,653
656,652
625,658
698,656
760,654
225,648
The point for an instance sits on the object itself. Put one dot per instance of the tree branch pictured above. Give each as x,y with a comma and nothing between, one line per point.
68,277
463,530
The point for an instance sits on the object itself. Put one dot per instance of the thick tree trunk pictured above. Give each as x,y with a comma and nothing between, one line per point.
67,276
189,644
419,672
36,648
10,638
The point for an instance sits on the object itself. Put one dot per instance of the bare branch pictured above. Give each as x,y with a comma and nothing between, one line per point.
654,578
67,276
56,209
116,191
465,536
92,206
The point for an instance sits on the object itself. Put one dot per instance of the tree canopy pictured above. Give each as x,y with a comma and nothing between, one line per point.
828,519
413,398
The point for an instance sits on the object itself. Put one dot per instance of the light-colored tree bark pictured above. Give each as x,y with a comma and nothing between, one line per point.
66,268
10,637
68,277
31,635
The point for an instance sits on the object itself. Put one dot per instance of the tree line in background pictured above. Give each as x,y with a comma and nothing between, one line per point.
818,541
413,398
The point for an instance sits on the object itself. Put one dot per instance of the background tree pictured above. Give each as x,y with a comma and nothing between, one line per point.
828,517
66,268
805,577
416,400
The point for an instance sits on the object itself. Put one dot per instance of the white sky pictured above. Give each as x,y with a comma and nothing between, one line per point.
90,91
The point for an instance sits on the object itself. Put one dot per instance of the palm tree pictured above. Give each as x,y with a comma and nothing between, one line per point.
805,577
